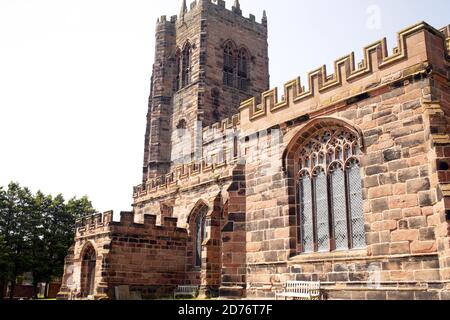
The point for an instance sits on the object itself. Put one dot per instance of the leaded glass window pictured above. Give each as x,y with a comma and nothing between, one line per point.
306,214
356,204
339,206
330,193
321,204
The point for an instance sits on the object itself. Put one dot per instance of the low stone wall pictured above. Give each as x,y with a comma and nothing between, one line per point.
146,257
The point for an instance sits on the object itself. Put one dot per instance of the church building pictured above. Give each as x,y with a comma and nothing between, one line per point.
342,178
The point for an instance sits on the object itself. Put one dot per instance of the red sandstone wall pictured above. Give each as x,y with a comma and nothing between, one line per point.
403,226
146,255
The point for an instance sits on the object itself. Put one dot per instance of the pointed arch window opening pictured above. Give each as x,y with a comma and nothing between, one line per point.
243,79
89,262
177,84
329,193
186,66
200,235
228,65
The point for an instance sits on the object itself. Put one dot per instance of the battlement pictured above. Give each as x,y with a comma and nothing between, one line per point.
221,128
94,221
376,58
98,222
201,172
236,10
127,220
219,5
163,19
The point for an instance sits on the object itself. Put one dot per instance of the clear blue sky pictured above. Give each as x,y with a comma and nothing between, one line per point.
74,78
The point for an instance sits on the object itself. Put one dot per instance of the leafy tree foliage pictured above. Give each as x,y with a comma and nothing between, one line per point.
36,231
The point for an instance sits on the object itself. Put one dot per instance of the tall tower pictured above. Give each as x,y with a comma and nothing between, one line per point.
207,60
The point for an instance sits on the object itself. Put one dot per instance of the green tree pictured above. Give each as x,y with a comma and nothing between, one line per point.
36,232
15,226
5,265
40,262
57,225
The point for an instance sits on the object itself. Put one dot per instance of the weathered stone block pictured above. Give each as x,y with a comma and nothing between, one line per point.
379,205
423,246
414,186
380,192
399,247
405,235
408,174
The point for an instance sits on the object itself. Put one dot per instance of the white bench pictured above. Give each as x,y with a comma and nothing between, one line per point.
191,291
300,289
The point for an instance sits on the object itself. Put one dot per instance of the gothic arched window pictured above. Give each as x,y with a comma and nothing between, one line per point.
329,187
176,82
200,235
228,65
243,76
186,66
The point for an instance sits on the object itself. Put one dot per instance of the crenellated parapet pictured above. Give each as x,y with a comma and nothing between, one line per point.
221,128
94,221
127,220
101,222
194,173
162,20
220,5
371,72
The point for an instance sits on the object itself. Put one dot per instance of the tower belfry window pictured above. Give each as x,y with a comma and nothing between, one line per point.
228,66
243,78
176,84
186,66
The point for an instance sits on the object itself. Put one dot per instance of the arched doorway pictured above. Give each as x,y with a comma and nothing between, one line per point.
88,264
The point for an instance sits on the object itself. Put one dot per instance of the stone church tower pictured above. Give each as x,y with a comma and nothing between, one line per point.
207,60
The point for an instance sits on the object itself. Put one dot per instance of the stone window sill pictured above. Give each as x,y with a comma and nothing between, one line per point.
330,256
